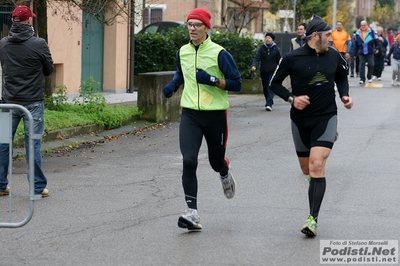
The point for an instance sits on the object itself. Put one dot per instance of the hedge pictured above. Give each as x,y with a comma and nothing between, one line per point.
156,52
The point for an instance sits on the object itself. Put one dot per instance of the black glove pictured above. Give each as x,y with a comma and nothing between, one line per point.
204,78
169,89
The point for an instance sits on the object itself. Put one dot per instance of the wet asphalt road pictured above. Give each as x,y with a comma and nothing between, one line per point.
117,202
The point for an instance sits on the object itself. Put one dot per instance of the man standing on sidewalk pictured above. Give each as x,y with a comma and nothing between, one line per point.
25,60
314,69
208,72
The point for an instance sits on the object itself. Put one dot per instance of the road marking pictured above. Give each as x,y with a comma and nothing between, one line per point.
373,85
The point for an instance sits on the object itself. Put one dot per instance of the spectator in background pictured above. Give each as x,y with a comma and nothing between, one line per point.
25,60
295,43
340,40
300,40
380,57
269,55
354,62
365,45
395,50
390,38
397,32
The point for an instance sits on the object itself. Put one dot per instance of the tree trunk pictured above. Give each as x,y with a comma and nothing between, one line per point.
40,9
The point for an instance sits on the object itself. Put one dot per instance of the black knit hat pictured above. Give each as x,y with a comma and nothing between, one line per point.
270,34
316,24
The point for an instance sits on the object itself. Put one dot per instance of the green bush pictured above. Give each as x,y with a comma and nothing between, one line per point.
155,52
243,50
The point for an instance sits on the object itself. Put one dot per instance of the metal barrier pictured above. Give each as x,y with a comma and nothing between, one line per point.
6,137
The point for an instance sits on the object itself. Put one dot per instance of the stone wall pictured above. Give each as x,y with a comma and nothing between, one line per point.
152,102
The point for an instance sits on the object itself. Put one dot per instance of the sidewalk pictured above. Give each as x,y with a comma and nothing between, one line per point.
114,98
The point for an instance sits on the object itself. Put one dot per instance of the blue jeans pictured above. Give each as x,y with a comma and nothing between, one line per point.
37,111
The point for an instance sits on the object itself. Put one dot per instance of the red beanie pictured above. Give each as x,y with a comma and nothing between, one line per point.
200,14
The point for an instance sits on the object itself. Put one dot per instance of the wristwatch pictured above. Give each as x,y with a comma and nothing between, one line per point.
290,100
216,82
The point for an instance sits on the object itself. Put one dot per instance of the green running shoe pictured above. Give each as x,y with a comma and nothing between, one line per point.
310,228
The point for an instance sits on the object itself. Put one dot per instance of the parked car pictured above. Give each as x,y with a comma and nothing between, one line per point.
161,27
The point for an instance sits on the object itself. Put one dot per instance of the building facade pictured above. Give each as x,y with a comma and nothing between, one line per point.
83,48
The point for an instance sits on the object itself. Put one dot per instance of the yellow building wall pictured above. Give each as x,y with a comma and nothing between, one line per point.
116,57
65,40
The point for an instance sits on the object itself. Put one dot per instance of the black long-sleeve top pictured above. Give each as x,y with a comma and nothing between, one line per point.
313,74
25,60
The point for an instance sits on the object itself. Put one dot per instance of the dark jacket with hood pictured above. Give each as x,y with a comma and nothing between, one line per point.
25,60
395,50
269,57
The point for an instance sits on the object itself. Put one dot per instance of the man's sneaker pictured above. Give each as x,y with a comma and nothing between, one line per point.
379,79
45,193
5,192
361,82
370,80
228,183
310,228
352,76
268,108
189,220
374,77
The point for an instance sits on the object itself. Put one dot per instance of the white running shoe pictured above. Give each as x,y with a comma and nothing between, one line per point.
190,220
228,183
268,108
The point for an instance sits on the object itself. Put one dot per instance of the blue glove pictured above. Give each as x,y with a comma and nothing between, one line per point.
204,78
169,89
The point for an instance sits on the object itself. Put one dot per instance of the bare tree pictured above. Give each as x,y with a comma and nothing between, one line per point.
241,14
68,9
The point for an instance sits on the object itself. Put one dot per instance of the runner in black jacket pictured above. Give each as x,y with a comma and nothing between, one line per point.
314,69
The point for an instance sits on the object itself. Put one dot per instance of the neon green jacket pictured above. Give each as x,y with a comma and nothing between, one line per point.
200,96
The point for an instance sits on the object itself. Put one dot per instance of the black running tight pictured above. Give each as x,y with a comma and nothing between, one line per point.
194,125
